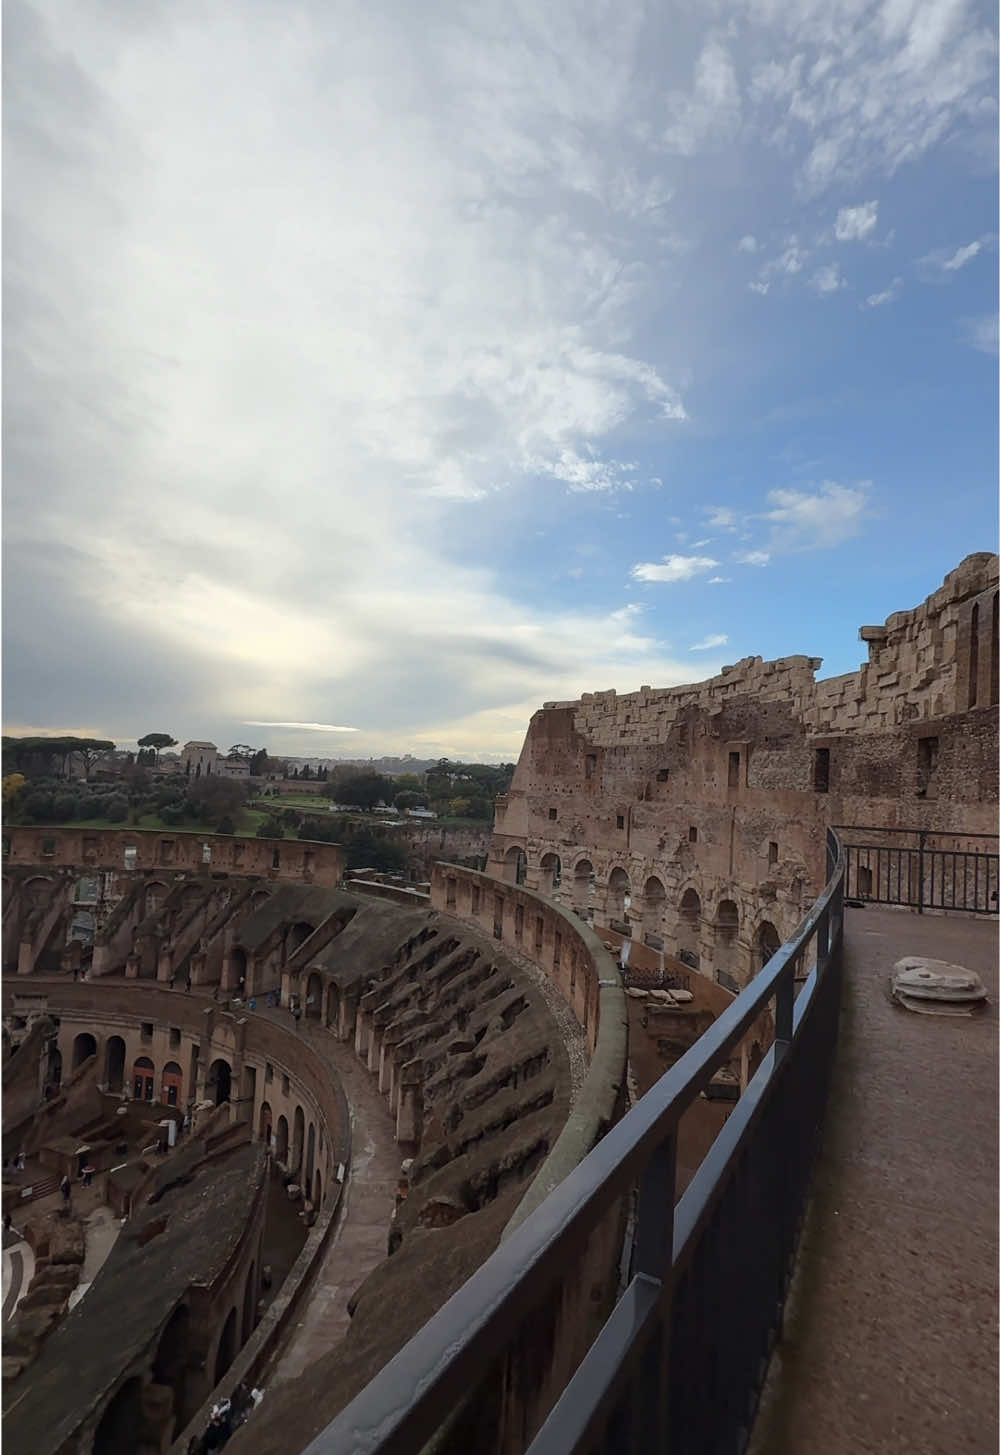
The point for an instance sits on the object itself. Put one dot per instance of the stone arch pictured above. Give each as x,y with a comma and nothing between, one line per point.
550,873
226,1348
583,888
766,942
313,1005
264,1123
281,1139
143,1079
654,902
727,922
514,864
259,897
114,1063
295,937
170,1363
37,890
118,1431
250,1303
154,895
84,1046
307,1181
689,927
298,1137
332,1011
172,1082
619,891
726,927
221,1080
238,965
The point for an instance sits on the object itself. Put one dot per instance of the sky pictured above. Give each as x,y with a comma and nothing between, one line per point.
377,372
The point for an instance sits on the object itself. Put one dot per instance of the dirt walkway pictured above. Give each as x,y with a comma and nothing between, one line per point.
890,1342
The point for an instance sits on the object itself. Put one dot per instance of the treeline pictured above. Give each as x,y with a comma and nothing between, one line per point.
214,802
449,789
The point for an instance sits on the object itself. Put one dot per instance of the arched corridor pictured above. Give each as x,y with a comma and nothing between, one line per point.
114,1063
220,1081
550,873
143,1084
84,1046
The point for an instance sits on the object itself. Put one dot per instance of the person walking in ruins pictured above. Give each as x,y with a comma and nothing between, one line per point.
66,1188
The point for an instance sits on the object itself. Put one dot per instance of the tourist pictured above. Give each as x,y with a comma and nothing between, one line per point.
19,1162
253,1004
66,1188
187,983
296,1014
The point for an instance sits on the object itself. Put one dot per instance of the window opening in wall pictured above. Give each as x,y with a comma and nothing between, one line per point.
269,1071
663,774
238,853
590,764
821,770
130,856
733,771
552,815
927,762
48,847
175,1038
276,859
773,852
620,820
538,935
994,649
206,853
475,899
147,1030
629,717
974,655
284,1086
693,834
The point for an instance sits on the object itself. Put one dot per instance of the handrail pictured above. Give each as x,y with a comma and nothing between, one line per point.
608,1403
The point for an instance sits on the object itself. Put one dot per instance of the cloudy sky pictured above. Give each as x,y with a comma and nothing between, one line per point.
399,367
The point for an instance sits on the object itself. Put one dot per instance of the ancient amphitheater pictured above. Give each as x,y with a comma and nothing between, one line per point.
402,1156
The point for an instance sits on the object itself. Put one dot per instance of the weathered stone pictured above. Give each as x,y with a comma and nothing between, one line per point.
936,987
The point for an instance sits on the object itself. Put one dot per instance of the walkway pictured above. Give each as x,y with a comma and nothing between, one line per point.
890,1343
359,1242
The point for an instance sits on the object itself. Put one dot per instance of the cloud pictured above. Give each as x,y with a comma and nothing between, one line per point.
753,558
673,568
961,257
717,580
827,279
748,244
889,294
804,521
854,223
707,643
982,333
710,111
722,516
759,287
312,727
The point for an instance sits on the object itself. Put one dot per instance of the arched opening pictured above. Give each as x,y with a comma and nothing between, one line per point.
259,897
264,1123
84,1046
514,865
220,1081
727,922
314,996
971,700
172,1084
768,941
238,966
154,897
250,1303
654,900
616,903
317,1189
307,1180
583,889
118,1432
725,928
689,928
142,1079
332,1015
296,936
281,1140
226,1352
114,1063
298,1136
550,873
170,1365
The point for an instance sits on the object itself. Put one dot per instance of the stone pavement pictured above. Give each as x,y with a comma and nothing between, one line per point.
890,1343
360,1240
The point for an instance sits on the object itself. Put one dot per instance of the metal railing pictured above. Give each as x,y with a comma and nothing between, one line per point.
680,1362
921,869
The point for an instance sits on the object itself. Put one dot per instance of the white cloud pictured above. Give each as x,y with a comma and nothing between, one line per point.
855,223
761,288
312,727
889,294
982,333
748,244
707,643
827,279
722,516
961,257
827,517
718,580
710,111
753,558
673,568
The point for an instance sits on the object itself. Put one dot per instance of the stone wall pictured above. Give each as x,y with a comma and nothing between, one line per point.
693,817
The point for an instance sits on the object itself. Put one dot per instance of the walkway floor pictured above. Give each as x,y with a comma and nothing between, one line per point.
891,1336
359,1242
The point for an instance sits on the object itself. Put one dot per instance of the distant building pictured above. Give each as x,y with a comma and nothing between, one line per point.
198,758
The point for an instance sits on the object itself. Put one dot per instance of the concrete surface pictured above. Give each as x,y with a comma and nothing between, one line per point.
891,1336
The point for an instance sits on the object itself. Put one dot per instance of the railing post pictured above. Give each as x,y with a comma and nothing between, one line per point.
921,871
785,995
652,1257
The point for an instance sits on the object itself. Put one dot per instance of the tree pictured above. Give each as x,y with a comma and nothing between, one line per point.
259,763
240,752
12,785
226,825
157,741
216,798
408,799
408,783
365,790
368,850
271,828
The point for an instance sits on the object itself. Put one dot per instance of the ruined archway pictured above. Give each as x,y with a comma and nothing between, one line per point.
298,1137
238,967
143,1072
514,865
296,936
84,1046
314,996
114,1063
767,941
550,873
220,1080
616,907
226,1351
118,1431
654,900
689,927
281,1140
170,1364
172,1084
726,927
583,889
264,1123
332,1013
